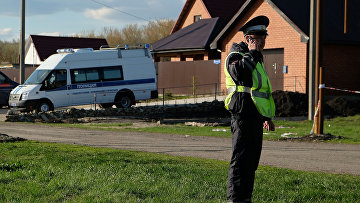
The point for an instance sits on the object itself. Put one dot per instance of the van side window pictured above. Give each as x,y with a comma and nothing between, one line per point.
113,73
2,79
56,79
85,75
96,74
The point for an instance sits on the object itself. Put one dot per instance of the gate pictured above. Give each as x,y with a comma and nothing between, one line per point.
189,77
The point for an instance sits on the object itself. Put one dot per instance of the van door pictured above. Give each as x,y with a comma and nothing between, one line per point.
55,87
84,84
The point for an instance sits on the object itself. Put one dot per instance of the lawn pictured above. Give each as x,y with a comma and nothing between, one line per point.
43,172
347,127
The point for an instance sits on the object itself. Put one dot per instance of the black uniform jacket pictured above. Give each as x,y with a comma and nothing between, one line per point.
241,103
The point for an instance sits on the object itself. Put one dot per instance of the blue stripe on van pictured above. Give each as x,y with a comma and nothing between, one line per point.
112,83
104,84
17,89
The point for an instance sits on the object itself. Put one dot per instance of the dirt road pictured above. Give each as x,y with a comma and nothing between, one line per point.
333,158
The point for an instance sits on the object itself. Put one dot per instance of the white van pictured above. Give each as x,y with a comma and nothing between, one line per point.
112,76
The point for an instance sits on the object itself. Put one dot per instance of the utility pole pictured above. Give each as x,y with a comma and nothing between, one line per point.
346,16
22,44
312,58
317,64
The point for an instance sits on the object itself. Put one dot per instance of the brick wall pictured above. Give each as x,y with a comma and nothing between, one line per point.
198,8
281,35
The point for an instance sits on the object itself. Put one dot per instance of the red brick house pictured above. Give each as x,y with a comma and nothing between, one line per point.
286,52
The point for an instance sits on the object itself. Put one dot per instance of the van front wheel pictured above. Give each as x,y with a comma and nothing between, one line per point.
123,101
43,106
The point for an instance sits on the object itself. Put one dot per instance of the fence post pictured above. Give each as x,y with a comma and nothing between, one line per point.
295,84
163,93
95,100
215,89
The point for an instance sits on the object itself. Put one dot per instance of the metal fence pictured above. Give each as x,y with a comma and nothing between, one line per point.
187,95
205,93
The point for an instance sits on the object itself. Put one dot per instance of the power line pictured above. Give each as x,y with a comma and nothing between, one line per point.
120,10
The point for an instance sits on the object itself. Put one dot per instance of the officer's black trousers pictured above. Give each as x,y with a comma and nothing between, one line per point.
247,136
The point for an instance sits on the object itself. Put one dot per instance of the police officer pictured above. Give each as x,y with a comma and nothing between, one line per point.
251,105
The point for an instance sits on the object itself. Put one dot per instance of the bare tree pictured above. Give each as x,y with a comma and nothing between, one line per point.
113,36
156,30
132,34
9,52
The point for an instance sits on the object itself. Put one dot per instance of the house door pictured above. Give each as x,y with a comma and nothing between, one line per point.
274,62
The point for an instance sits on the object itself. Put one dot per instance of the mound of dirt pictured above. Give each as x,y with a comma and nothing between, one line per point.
290,103
314,138
342,106
7,138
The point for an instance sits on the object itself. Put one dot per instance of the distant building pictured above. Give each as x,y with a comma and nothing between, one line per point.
38,48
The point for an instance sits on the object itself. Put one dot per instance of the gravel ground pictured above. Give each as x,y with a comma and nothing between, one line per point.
332,158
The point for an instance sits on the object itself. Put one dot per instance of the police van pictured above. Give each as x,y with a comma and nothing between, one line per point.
109,76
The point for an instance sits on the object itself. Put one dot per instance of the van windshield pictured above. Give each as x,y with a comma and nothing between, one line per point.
37,77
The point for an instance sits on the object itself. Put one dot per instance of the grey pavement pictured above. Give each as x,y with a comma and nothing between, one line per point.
332,158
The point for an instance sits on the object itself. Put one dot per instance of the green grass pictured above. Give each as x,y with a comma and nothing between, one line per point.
182,129
44,172
347,127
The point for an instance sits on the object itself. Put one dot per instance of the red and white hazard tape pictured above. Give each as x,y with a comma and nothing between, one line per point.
322,86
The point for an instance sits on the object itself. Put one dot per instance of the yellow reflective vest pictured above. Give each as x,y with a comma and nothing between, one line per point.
261,91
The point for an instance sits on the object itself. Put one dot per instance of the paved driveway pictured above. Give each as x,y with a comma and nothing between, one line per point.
333,158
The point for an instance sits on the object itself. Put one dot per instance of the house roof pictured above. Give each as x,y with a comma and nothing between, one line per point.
225,9
197,36
297,14
332,18
245,7
297,11
47,45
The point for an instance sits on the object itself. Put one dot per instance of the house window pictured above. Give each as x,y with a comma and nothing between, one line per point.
197,18
199,57
165,59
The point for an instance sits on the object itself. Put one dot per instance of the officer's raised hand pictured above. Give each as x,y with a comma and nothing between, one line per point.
255,42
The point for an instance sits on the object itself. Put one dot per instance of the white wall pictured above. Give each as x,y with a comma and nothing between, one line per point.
32,56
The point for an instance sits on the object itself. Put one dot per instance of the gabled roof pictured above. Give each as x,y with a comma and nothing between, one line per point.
332,18
225,9
297,11
47,45
297,14
196,36
245,7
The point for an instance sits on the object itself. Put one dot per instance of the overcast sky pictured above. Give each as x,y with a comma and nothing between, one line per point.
68,17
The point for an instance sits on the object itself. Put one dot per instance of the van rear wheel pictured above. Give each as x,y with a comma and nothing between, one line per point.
124,101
